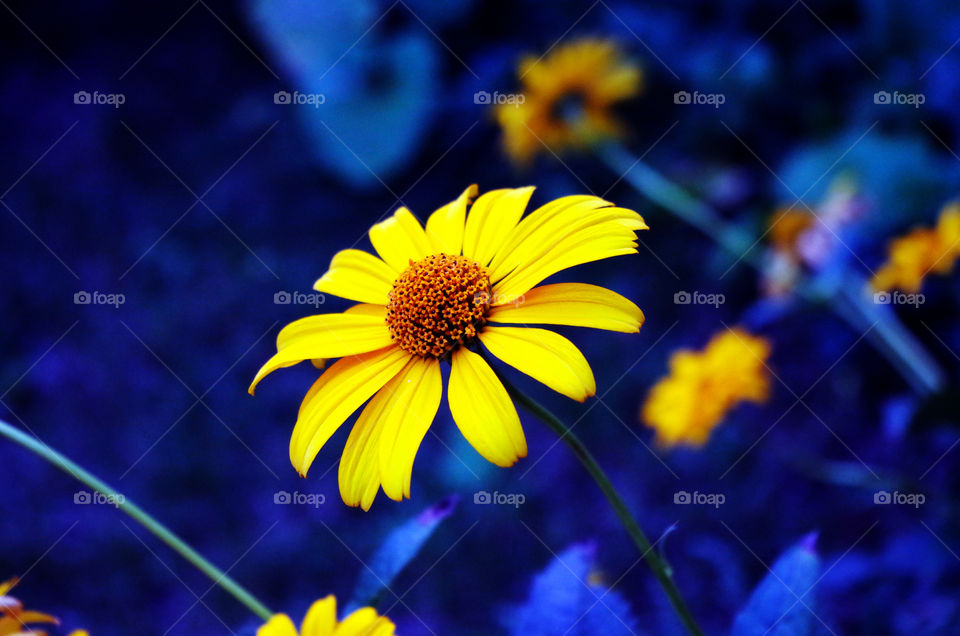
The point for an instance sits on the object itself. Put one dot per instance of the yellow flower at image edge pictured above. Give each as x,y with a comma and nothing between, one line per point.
14,619
685,406
922,251
321,620
437,294
567,99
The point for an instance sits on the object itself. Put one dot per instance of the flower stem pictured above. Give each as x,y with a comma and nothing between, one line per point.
218,576
661,570
887,333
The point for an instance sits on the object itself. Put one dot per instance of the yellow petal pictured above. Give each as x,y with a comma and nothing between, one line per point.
8,585
367,309
359,472
357,275
325,336
365,622
30,616
321,618
483,410
340,391
535,229
400,239
492,219
279,625
445,226
593,239
79,632
545,356
575,304
412,400
363,309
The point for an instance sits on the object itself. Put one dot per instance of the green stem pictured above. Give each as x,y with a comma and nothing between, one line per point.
897,343
661,570
218,576
887,333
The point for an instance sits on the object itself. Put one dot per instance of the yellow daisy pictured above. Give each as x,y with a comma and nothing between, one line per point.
567,100
786,227
14,619
321,620
924,250
435,295
685,406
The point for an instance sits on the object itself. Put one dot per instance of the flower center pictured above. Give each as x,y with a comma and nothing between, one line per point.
568,107
438,304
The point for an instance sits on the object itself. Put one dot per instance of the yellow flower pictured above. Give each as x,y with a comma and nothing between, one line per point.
14,619
321,620
786,227
567,99
703,386
437,294
924,250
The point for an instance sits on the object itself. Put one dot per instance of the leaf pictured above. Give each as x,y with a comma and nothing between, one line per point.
774,608
378,91
564,600
397,550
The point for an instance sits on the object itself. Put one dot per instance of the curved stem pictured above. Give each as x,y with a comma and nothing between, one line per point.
218,576
886,332
661,570
900,346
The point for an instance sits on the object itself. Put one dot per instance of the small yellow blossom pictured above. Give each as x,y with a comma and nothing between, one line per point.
924,250
568,95
14,619
786,227
685,406
321,620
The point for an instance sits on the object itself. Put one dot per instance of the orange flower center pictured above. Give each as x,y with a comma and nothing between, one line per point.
438,304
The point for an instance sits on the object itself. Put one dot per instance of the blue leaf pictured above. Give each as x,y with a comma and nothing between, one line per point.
564,600
397,550
774,608
373,94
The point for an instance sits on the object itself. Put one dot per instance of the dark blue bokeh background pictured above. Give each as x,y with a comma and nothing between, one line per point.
199,199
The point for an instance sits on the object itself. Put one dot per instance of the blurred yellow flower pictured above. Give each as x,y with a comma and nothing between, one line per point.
685,406
568,95
910,258
431,297
786,227
14,619
321,620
